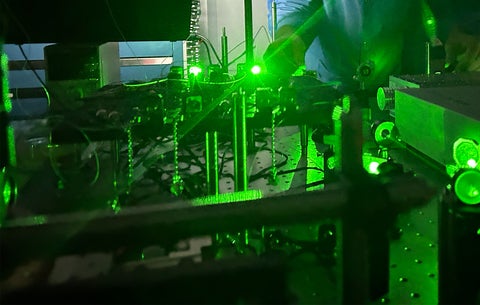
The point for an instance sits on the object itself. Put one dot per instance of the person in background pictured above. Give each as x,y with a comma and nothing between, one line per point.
360,43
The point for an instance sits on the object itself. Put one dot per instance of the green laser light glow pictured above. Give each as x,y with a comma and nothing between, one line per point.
7,193
7,104
195,70
256,70
472,163
373,168
228,197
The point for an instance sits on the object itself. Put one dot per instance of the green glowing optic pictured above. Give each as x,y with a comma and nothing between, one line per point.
384,131
256,70
466,153
195,70
373,168
478,231
467,187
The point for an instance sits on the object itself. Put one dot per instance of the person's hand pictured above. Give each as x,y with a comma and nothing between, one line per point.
462,51
284,55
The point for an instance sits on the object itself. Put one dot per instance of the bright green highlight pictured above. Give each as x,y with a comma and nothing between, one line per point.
5,85
115,206
228,197
313,176
373,168
346,104
3,183
467,187
478,231
472,163
372,163
195,70
11,146
146,84
451,170
7,192
300,71
256,70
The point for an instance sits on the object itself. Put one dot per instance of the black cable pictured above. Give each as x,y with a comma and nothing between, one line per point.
243,42
254,37
23,109
316,183
195,159
236,58
56,169
49,94
299,169
266,33
211,45
208,52
30,66
264,172
15,19
117,27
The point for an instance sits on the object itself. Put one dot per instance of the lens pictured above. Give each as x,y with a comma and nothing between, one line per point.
467,187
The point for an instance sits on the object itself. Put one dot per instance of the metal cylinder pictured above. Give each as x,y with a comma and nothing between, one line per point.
240,142
224,51
386,98
211,144
248,33
274,19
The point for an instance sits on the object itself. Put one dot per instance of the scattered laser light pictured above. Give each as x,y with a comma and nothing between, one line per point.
256,70
472,163
195,70
7,192
373,168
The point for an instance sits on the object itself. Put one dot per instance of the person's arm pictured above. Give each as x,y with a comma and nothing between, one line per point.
284,55
459,27
462,50
462,46
297,21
